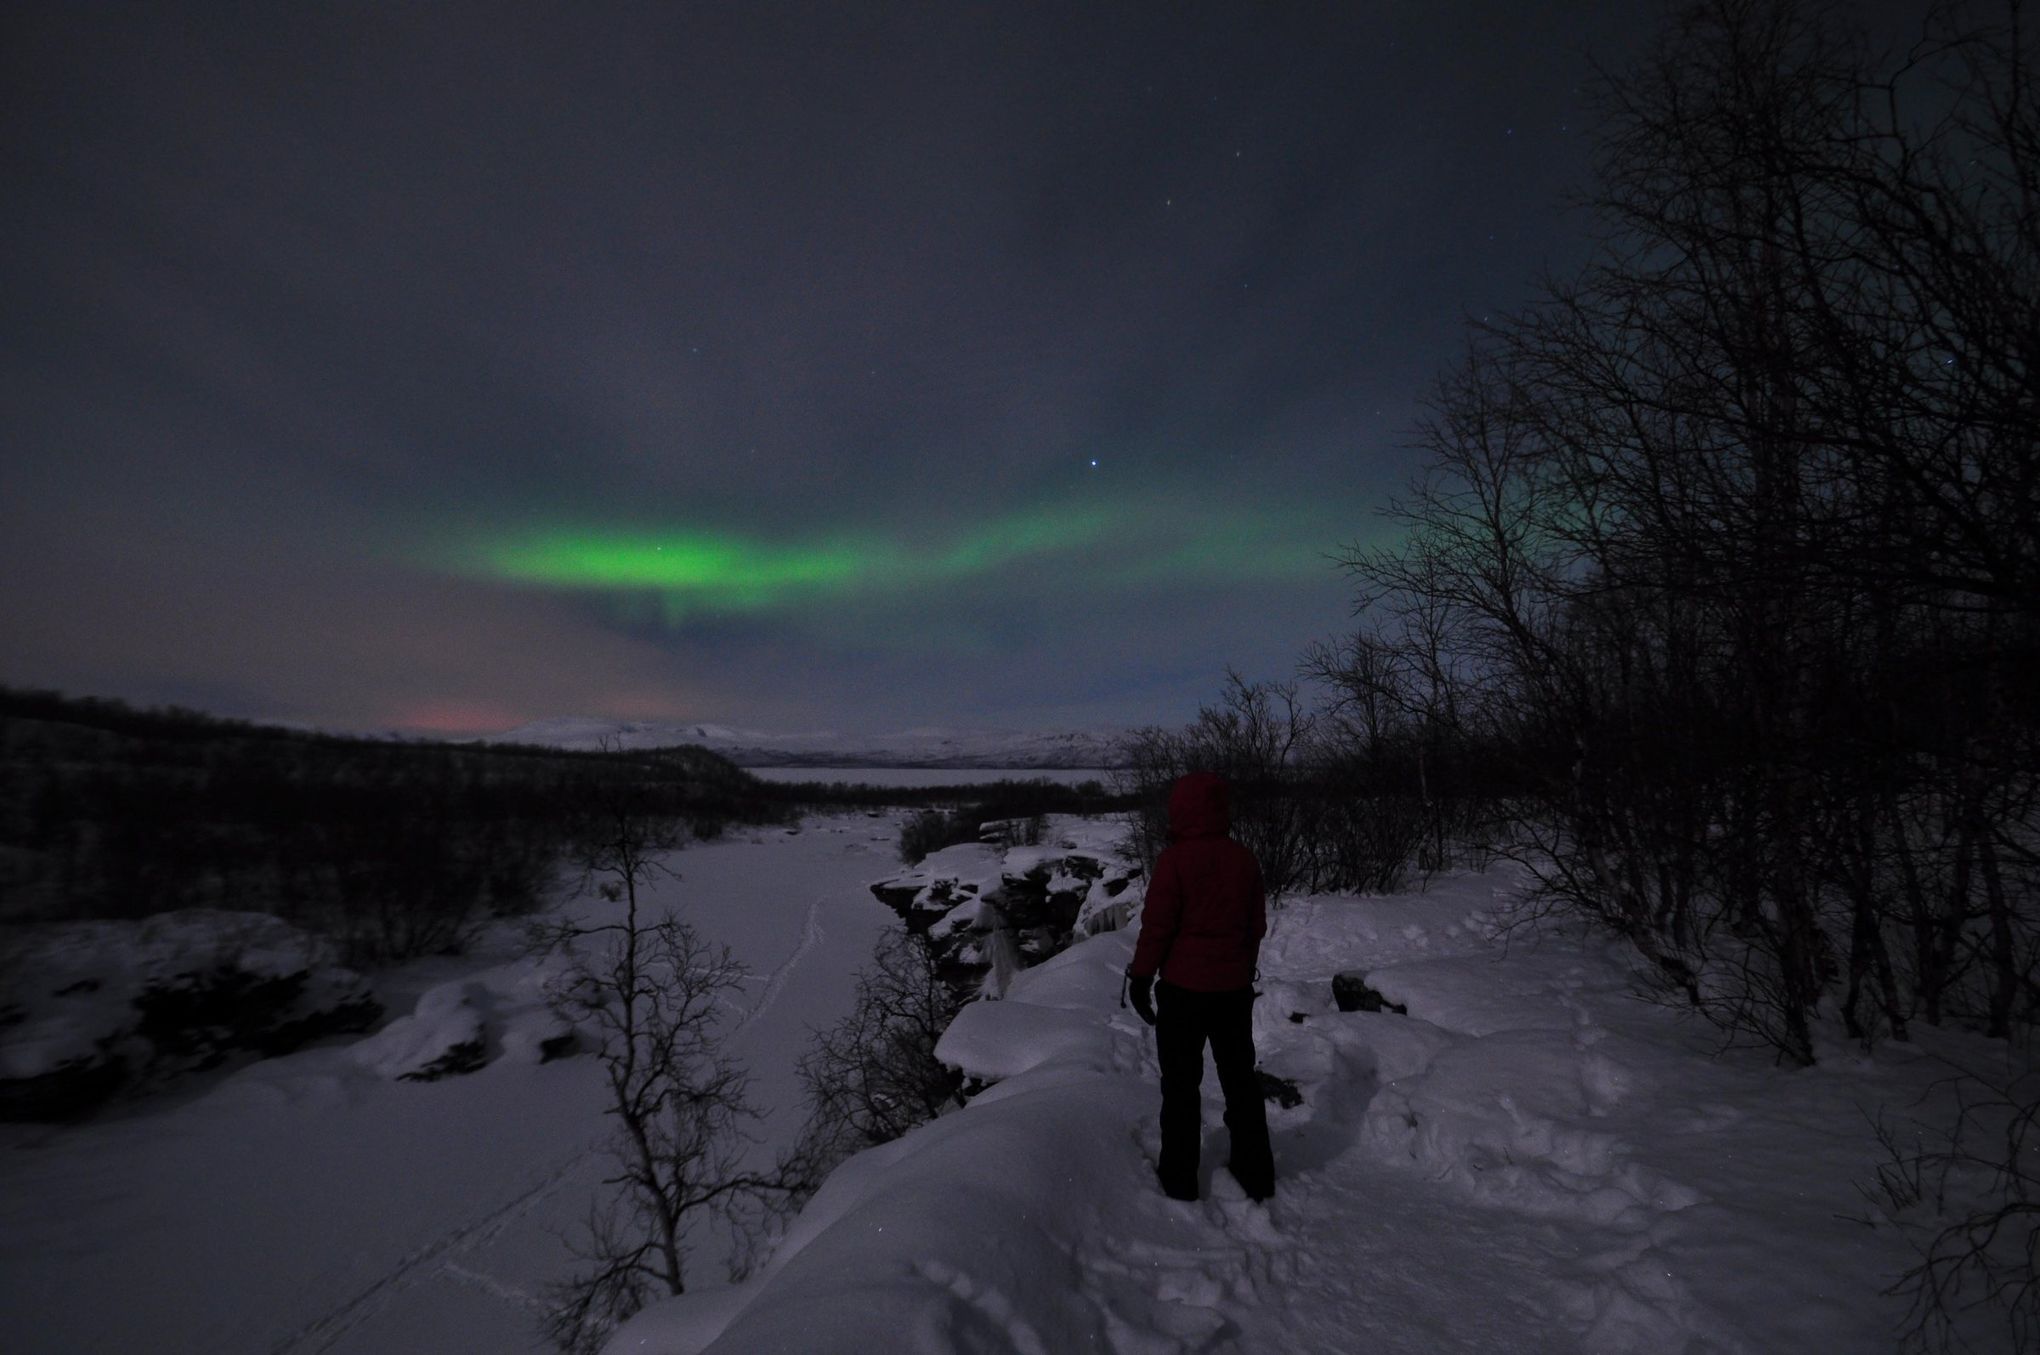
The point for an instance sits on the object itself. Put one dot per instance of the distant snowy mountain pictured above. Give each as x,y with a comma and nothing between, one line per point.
927,747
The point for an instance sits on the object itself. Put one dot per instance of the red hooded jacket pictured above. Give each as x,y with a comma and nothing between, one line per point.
1206,912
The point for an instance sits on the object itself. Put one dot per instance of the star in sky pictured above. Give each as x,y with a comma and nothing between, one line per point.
406,299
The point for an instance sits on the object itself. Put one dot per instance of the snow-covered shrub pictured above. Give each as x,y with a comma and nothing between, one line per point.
933,829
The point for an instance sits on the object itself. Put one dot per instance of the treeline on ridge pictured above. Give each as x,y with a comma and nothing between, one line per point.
393,847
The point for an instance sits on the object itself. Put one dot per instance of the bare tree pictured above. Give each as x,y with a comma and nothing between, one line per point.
1966,1194
1728,540
1732,542
873,1075
1254,735
651,993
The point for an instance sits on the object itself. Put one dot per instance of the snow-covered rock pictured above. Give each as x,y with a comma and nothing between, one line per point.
991,909
97,1006
463,1025
1352,993
445,1036
539,1036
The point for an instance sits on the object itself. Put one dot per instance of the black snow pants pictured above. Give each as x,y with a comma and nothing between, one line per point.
1184,1020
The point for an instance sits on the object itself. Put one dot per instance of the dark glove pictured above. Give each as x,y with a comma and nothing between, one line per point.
1142,992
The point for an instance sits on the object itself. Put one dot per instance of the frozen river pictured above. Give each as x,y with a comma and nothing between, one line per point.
933,776
306,1204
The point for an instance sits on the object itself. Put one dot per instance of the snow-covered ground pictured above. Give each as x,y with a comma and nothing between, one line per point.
933,776
1530,1160
315,1203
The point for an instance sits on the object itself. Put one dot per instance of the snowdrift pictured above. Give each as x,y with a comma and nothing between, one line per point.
1529,1160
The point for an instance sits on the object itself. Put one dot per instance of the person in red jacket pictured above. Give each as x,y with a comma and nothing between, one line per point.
1201,931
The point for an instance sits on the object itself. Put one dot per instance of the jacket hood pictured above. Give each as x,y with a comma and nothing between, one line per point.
1200,805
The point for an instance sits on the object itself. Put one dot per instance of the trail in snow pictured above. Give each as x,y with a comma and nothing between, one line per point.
306,1205
435,1258
1550,1245
811,936
1299,1274
495,1288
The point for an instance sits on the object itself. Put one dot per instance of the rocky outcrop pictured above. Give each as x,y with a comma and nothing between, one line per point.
1281,1090
990,910
445,1035
100,1008
462,1026
1352,993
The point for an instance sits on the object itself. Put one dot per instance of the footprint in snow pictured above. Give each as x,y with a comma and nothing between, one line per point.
982,1306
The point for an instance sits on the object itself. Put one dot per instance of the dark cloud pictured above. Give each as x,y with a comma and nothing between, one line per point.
298,294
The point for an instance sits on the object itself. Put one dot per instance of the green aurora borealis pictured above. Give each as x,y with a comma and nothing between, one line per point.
695,571
415,368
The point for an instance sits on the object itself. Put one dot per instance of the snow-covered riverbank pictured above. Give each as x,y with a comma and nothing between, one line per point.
309,1203
1530,1160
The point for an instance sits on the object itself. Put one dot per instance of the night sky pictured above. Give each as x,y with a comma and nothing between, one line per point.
854,367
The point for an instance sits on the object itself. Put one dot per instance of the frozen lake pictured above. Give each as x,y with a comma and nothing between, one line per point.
933,776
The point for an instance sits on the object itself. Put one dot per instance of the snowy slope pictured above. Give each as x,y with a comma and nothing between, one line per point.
930,747
1530,1160
321,1203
